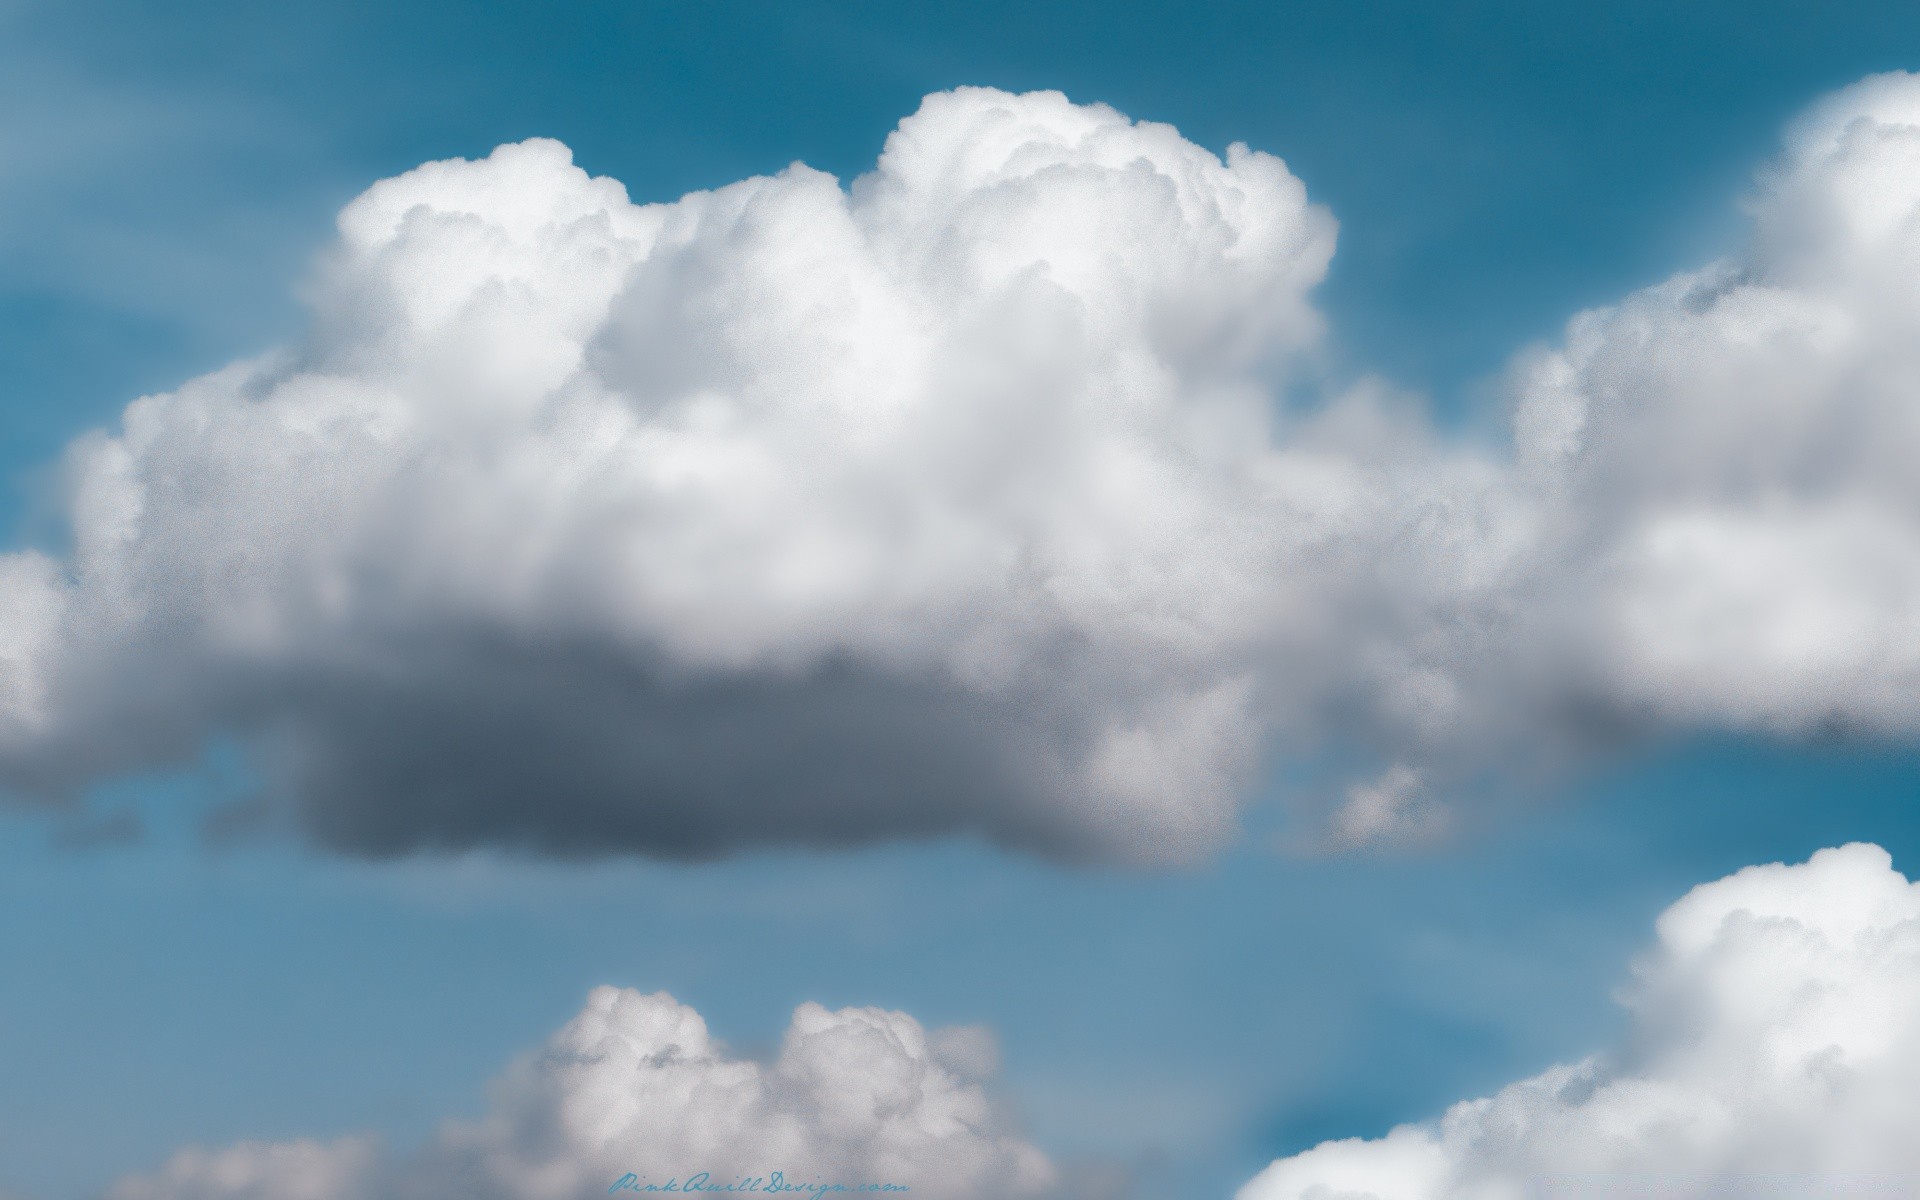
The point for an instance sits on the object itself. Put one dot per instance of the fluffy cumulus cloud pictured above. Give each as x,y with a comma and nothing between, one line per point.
1727,457
1775,1052
959,500
635,1085
1717,524
1709,519
783,512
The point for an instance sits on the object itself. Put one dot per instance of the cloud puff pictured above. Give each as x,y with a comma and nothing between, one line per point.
635,1085
1774,1052
1725,458
958,500
1709,519
783,512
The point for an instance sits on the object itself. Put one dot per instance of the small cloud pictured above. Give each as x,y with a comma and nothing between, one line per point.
1393,810
635,1085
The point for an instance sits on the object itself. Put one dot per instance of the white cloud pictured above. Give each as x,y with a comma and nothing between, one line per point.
957,500
781,512
1713,520
635,1085
1774,1052
1727,455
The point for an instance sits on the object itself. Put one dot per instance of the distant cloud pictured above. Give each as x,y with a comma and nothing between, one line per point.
958,501
635,1085
1775,1052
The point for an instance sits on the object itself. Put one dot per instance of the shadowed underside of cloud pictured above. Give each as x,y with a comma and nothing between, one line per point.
634,1085
958,501
1775,1052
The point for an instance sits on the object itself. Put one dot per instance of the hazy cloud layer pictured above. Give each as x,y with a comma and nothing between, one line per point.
1775,1052
635,1085
959,500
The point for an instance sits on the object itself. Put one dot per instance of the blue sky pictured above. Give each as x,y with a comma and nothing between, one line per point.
172,171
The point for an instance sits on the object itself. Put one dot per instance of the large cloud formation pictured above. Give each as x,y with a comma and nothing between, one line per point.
960,500
779,513
635,1085
1775,1052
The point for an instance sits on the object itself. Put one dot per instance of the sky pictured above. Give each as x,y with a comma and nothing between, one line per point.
1188,977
